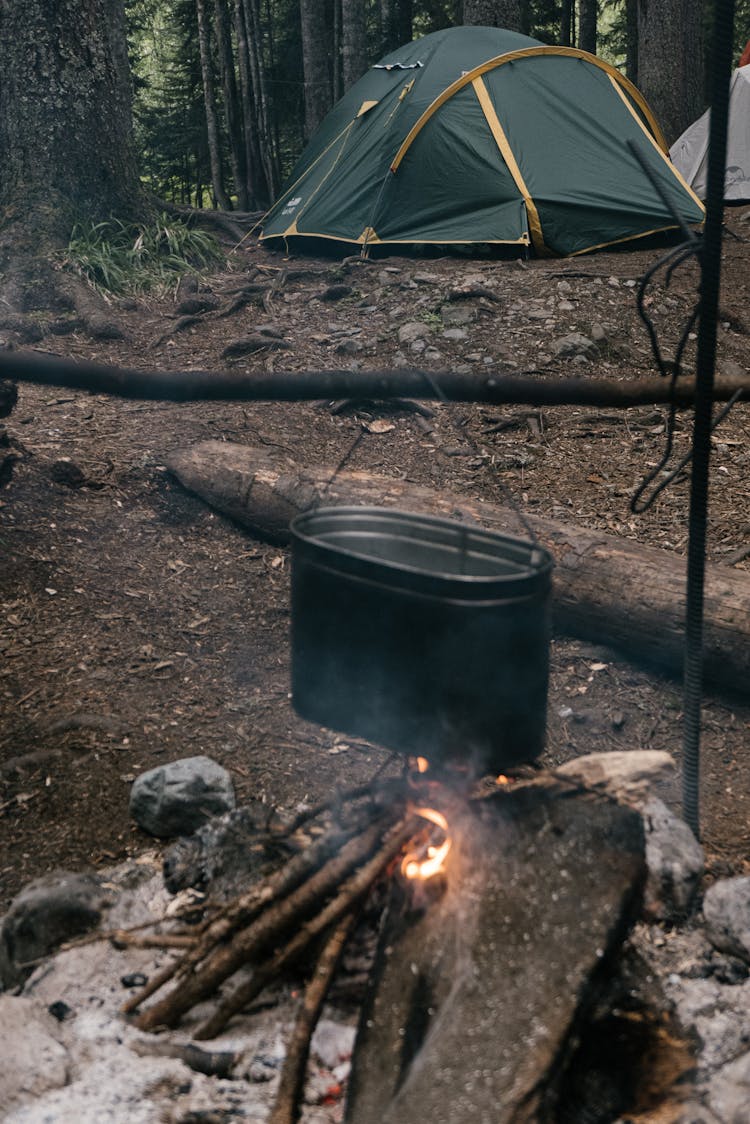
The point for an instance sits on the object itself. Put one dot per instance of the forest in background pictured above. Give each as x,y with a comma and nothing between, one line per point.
226,92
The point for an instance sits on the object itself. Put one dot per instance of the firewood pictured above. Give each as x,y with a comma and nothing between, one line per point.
267,929
286,1106
243,909
606,589
349,895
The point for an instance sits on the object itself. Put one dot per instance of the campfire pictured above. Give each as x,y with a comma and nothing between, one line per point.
505,897
501,902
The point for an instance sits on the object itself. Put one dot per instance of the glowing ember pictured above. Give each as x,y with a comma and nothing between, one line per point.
502,779
413,867
422,764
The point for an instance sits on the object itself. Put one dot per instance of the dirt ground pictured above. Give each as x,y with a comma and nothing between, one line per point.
139,626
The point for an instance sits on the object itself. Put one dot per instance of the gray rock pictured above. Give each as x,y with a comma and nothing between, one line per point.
623,773
176,799
675,863
573,345
599,335
458,315
729,1092
730,368
726,908
47,912
412,331
456,335
34,1060
349,347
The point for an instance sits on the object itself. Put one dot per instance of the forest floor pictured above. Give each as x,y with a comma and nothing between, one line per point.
138,626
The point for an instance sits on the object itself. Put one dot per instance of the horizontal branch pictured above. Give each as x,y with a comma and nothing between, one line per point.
299,386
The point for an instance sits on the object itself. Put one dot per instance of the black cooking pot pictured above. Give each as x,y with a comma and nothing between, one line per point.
422,634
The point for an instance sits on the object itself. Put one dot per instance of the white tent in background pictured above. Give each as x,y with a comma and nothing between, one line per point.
689,153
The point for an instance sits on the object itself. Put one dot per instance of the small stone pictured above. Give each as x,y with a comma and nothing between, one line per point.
726,908
458,315
455,335
574,346
599,335
178,798
413,330
675,863
134,979
349,347
47,912
564,288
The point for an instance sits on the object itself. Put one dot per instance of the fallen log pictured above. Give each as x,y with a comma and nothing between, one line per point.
607,590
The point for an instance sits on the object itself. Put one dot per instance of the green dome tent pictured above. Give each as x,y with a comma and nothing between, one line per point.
479,135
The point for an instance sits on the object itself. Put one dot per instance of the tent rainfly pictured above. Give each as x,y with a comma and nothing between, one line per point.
479,135
690,151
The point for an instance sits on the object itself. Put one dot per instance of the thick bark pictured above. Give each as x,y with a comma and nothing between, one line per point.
672,80
353,41
567,23
493,13
209,102
587,26
605,589
404,21
631,40
66,139
232,109
258,193
258,75
316,39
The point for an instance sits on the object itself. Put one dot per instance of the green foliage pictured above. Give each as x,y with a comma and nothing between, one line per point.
117,257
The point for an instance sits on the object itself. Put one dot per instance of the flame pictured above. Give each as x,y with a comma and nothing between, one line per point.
502,779
413,867
422,764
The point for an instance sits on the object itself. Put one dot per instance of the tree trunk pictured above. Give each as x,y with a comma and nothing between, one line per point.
493,13
587,26
671,78
567,23
404,22
66,138
209,102
606,589
260,93
353,41
258,192
231,102
316,38
631,40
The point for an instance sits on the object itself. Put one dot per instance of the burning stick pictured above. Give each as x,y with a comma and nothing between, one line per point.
241,911
262,933
350,895
286,1108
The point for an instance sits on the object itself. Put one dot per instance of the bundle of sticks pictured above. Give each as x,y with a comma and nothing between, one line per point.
304,908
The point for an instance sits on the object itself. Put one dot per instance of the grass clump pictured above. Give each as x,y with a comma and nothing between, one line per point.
119,258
